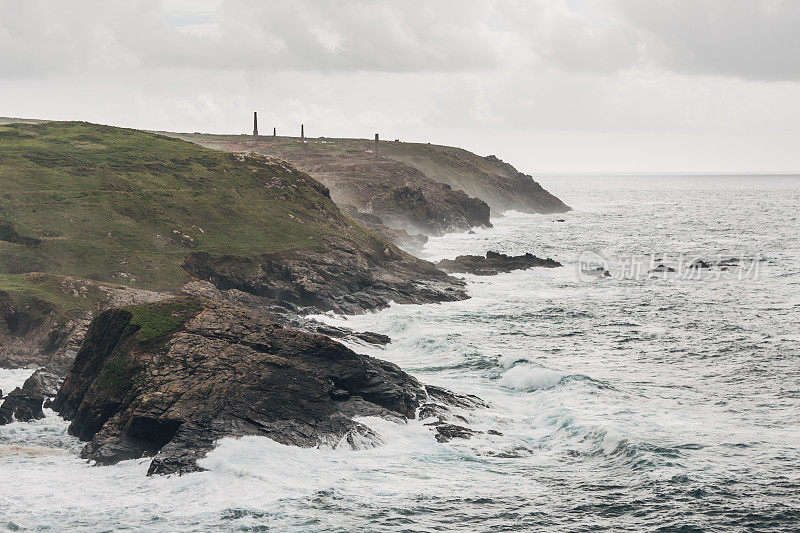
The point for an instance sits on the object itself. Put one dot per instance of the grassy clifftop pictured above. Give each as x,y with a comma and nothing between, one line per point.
488,178
126,206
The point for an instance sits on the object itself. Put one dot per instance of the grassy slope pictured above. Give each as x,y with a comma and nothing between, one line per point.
125,206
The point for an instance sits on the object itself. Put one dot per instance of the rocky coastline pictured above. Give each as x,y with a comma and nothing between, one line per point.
220,345
169,379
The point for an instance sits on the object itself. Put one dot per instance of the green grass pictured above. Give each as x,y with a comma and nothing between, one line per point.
126,206
117,374
157,319
67,297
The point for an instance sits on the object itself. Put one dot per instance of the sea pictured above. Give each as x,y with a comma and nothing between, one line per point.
628,397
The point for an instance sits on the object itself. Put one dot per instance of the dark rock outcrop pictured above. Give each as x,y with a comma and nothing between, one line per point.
36,332
448,412
448,432
43,383
21,406
223,372
661,269
345,279
494,263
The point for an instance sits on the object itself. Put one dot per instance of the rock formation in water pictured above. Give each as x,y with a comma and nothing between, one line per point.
171,378
494,263
21,406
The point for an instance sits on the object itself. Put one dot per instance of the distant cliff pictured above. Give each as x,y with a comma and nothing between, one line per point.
422,187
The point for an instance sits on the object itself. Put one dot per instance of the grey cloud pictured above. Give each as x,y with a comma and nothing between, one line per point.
756,39
39,38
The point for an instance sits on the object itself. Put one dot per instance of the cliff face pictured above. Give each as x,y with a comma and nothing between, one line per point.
168,379
43,317
343,279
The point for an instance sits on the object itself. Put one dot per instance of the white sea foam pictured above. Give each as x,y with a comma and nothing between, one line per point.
10,378
603,394
528,377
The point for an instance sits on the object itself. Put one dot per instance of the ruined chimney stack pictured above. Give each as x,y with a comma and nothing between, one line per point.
255,125
377,147
302,133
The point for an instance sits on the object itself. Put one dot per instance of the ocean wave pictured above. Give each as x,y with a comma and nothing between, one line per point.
527,377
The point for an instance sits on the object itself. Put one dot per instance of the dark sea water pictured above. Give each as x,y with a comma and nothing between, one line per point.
639,403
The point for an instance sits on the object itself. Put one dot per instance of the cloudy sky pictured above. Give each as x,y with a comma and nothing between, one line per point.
549,85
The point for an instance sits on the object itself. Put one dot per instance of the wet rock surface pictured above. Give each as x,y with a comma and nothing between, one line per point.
43,383
662,269
447,414
225,372
494,263
21,406
344,279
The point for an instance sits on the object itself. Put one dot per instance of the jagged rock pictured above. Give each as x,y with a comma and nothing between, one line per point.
43,383
699,263
225,371
661,269
494,263
448,410
345,333
448,432
21,406
345,279
448,397
373,338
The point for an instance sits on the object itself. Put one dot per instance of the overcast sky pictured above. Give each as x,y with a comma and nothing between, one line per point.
548,85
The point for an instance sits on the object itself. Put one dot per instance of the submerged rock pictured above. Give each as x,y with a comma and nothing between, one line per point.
699,263
214,371
494,263
448,432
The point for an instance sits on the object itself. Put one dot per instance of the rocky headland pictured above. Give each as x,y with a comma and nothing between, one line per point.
170,284
169,379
